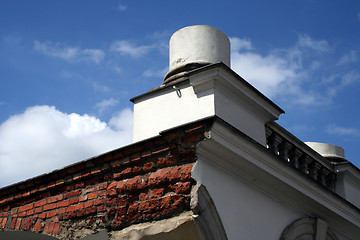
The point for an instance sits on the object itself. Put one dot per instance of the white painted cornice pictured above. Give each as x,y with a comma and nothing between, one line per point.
235,153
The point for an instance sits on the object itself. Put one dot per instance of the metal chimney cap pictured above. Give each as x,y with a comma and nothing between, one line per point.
195,46
328,150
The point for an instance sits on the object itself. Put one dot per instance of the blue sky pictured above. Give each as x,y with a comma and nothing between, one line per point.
69,68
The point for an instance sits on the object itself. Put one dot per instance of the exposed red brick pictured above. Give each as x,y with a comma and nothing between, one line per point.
38,226
170,160
101,208
72,194
26,207
55,198
83,198
61,210
148,166
111,189
89,203
63,204
56,228
137,170
110,201
81,212
148,205
121,200
160,176
51,214
28,223
18,223
79,206
92,195
79,185
175,174
135,158
38,210
23,224
161,162
47,226
194,129
186,172
125,172
176,198
103,186
99,201
4,223
55,219
101,193
30,212
182,187
25,194
157,192
133,183
70,208
121,186
165,202
42,215
22,214
72,214
73,200
49,206
91,210
160,151
121,211
144,195
133,208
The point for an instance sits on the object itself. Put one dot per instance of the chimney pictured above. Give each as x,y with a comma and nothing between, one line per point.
200,84
196,46
331,152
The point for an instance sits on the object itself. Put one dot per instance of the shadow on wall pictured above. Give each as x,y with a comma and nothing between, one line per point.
20,235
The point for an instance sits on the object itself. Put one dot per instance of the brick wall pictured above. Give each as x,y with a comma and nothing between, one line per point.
142,182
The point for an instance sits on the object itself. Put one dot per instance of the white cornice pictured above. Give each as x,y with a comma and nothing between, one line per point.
238,155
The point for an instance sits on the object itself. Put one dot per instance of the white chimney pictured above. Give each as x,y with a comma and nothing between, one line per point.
195,46
200,84
329,151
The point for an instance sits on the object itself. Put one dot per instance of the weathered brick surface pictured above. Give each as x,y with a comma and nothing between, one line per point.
142,182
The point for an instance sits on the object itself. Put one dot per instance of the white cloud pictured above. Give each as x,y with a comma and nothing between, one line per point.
317,45
100,87
106,104
43,138
351,57
156,73
125,47
70,54
343,131
238,44
95,55
293,74
121,7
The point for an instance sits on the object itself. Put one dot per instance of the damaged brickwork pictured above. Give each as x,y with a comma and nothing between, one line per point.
145,181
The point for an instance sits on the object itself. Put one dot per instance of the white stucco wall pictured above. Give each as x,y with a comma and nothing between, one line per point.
169,109
246,212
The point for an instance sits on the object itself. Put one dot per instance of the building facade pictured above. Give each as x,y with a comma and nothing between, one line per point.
208,161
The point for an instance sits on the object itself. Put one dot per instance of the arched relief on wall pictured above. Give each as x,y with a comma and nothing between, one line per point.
308,229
